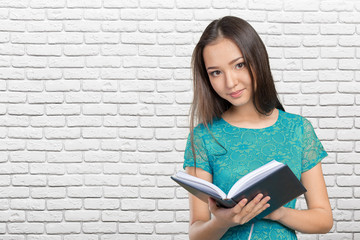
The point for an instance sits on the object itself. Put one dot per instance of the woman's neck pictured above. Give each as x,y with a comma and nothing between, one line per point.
249,117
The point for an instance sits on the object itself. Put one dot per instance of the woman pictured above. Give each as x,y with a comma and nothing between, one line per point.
241,126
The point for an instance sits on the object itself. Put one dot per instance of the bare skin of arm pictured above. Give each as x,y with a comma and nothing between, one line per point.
316,219
202,226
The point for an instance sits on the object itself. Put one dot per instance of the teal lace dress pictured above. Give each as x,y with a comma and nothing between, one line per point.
237,151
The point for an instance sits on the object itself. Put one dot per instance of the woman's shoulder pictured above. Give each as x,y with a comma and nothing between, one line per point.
292,119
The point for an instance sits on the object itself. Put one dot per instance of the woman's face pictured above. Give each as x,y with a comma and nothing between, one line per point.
228,73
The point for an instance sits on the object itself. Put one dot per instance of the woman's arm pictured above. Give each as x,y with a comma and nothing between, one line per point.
318,217
203,226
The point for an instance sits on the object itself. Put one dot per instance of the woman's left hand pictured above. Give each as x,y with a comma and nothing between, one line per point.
277,214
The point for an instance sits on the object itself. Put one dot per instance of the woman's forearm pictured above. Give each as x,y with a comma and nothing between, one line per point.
316,220
206,230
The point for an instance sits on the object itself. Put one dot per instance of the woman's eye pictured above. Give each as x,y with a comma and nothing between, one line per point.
240,65
215,73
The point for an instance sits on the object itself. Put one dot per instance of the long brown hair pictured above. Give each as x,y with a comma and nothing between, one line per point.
207,105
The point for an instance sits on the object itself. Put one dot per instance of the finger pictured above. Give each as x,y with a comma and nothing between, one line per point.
252,209
253,203
259,206
238,208
212,205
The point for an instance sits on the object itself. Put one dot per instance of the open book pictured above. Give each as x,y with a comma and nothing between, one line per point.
273,179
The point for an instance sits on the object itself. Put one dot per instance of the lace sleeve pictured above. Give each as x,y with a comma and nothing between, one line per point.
202,160
313,151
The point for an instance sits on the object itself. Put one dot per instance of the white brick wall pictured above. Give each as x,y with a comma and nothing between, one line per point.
94,99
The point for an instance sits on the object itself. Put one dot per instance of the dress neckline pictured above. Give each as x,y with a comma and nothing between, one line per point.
255,129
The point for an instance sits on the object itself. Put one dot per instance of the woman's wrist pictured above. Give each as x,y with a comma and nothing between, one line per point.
219,224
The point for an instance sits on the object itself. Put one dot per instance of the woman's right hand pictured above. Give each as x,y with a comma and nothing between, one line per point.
240,213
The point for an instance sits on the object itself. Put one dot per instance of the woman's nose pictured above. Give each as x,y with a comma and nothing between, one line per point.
230,80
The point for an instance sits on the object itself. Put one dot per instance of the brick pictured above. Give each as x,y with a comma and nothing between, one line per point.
335,29
347,227
81,145
138,181
120,4
103,38
348,41
347,134
158,216
133,157
136,133
336,76
285,64
44,216
12,216
40,145
61,181
121,192
82,192
101,204
81,215
63,204
340,192
156,146
83,168
300,100
102,156
138,204
138,14
36,98
122,50
336,99
53,169
136,228
63,228
173,204
12,49
337,52
99,227
13,168
349,111
347,158
27,204
118,216
27,86
349,64
99,133
19,180
84,4
27,156
62,133
101,14
171,38
64,157
319,41
319,64
175,14
336,123
307,5
45,193
119,26
14,192
156,193
338,146
319,87
25,228
97,86
330,6
43,74
101,180
101,109
164,228
116,145
62,86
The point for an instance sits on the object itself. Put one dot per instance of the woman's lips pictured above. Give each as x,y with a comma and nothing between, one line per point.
237,93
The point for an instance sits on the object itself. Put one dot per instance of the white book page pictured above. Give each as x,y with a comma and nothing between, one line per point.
263,170
201,184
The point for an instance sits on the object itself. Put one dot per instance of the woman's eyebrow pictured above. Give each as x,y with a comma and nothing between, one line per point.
231,62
